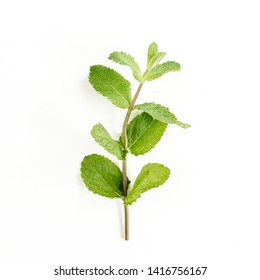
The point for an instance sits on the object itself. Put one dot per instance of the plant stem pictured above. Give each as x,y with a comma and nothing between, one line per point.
124,163
126,222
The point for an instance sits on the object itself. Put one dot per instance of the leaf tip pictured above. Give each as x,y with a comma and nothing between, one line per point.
153,45
183,125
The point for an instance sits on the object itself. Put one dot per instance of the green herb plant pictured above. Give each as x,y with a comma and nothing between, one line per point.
139,136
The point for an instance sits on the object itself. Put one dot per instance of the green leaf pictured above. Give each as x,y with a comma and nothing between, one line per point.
157,111
152,51
159,70
183,125
160,113
151,176
102,137
111,84
155,60
144,133
102,176
126,59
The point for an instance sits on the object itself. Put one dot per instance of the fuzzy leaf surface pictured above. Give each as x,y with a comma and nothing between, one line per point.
144,133
102,176
157,111
111,84
160,113
126,59
155,60
151,176
103,138
161,69
152,51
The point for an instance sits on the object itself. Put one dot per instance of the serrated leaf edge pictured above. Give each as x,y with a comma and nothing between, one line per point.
129,147
119,195
136,72
126,100
119,143
151,188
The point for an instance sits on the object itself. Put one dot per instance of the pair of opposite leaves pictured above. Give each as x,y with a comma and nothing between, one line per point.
101,175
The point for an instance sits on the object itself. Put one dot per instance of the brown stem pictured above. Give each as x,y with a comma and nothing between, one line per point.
124,163
124,171
126,222
128,113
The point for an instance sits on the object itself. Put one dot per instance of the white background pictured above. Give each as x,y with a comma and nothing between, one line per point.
207,214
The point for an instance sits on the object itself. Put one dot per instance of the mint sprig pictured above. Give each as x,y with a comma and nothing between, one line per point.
100,174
